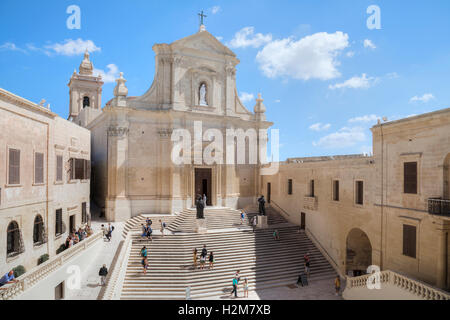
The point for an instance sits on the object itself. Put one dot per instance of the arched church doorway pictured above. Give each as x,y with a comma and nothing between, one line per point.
203,184
358,252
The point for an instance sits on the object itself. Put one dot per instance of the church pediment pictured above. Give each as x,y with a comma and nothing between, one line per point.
205,42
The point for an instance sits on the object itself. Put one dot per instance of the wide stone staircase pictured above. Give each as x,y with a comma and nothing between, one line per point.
264,261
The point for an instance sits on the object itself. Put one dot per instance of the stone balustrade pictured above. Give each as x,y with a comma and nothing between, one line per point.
419,289
116,279
39,272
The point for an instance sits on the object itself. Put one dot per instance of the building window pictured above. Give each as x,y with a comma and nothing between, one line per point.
359,197
410,177
14,167
38,168
58,222
83,213
336,190
59,168
290,186
80,169
13,239
311,188
38,230
86,102
409,241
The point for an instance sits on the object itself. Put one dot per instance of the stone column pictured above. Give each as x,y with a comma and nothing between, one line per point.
442,259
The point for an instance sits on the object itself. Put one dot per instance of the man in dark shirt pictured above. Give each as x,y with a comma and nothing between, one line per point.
103,273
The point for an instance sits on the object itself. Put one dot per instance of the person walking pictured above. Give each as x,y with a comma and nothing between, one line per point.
144,231
276,236
195,258
149,233
203,255
204,200
307,267
255,221
245,288
235,288
163,227
145,264
337,284
103,272
144,252
211,260
242,216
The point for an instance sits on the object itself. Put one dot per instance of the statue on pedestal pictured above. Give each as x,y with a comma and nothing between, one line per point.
200,207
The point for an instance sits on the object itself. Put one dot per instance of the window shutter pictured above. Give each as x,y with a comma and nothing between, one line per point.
312,188
290,186
336,190
58,222
38,167
410,177
59,168
72,168
88,169
14,166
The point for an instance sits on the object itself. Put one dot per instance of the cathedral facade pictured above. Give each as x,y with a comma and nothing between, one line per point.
194,91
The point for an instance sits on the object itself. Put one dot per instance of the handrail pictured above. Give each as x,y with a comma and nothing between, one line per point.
324,251
115,281
37,273
284,211
422,290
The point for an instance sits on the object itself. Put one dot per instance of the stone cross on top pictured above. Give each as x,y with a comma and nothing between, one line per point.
201,17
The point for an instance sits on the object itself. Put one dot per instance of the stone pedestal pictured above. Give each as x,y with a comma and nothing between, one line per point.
200,226
262,222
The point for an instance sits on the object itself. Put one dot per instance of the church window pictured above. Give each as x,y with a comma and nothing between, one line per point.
290,186
410,177
409,241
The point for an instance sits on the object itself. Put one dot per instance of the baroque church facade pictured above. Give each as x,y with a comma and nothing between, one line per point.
132,168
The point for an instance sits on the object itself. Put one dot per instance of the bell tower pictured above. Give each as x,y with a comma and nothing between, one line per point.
85,93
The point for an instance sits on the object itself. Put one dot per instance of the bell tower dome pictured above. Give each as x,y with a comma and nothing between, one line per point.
85,93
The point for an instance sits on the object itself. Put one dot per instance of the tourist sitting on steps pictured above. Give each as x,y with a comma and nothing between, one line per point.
276,236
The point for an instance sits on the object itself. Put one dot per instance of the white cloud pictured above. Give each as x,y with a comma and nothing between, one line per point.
320,127
73,47
350,54
9,46
356,82
215,9
425,98
365,118
246,97
392,75
219,38
369,44
277,101
110,76
312,57
246,38
345,137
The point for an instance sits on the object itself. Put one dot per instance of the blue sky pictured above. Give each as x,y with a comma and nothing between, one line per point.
324,75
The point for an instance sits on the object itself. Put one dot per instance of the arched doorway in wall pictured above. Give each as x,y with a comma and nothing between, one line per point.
358,252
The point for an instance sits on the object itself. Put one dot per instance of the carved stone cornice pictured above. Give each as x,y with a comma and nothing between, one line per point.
117,131
164,133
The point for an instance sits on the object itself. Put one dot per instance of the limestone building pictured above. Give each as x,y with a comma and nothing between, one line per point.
44,181
391,209
132,141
